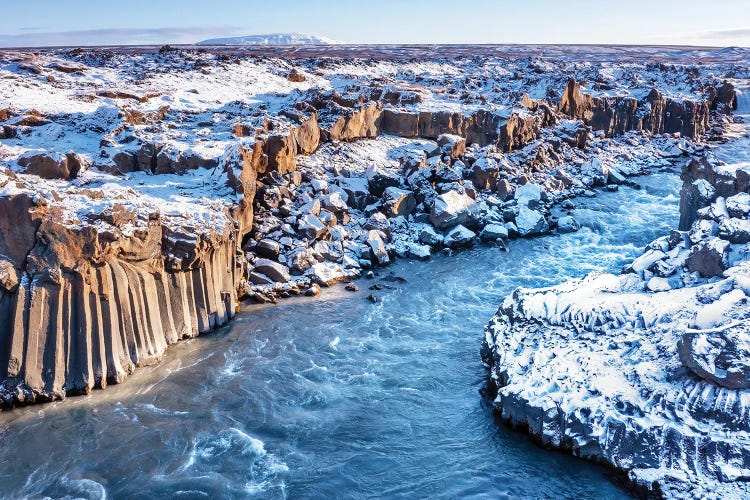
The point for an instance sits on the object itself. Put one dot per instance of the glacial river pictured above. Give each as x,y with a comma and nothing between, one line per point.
336,397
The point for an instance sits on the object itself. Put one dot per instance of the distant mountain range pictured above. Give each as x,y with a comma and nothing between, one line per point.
272,39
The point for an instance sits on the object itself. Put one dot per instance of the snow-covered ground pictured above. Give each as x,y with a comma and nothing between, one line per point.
649,370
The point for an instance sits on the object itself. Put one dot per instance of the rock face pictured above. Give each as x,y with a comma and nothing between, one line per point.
648,371
656,114
83,303
567,365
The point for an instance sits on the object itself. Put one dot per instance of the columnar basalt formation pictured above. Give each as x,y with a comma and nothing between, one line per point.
86,299
656,114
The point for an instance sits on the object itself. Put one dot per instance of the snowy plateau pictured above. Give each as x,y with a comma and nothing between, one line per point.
145,193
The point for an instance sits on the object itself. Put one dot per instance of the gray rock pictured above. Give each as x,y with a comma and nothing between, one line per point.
311,207
484,173
459,236
311,227
357,191
417,251
614,176
430,237
452,208
568,224
452,145
735,230
334,203
257,278
493,232
708,258
377,247
530,222
721,357
398,201
529,195
739,205
379,222
268,248
378,180
277,272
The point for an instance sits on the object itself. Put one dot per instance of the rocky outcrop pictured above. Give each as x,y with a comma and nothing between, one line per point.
656,114
481,127
704,181
648,371
52,165
84,302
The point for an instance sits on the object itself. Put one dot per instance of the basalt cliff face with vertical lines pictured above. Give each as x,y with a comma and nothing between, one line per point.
144,194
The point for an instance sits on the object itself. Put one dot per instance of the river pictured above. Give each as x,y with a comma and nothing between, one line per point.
335,396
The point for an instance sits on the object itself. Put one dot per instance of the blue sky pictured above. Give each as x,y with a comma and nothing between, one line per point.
92,22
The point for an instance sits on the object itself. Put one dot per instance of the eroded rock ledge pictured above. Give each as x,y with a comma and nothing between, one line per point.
647,371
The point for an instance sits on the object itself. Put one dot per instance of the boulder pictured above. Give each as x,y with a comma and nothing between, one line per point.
378,180
452,208
311,227
52,165
709,258
529,222
396,201
357,191
529,195
459,236
484,172
268,248
452,145
378,222
417,251
430,237
567,224
334,203
275,271
377,248
735,230
493,232
721,357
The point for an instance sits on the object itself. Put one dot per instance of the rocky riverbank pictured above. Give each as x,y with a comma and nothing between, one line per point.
649,370
146,194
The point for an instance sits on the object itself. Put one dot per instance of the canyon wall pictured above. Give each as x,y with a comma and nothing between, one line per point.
82,305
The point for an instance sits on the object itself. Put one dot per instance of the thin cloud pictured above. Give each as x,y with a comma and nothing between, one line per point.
726,33
115,36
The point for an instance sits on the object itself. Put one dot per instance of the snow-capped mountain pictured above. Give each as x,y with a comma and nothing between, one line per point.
272,39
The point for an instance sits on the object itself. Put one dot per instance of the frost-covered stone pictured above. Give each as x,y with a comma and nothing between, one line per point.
277,272
528,195
459,236
452,208
709,258
721,356
311,227
568,224
357,191
493,232
430,237
417,251
398,201
529,222
377,247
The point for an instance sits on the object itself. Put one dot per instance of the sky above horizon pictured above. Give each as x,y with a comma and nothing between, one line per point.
96,22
